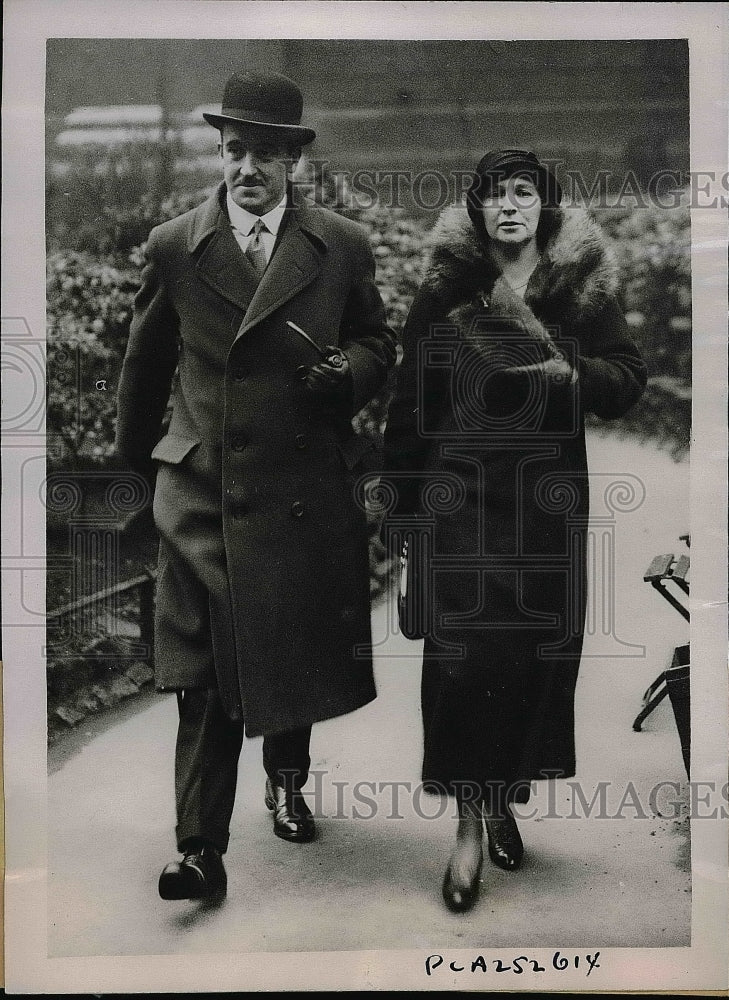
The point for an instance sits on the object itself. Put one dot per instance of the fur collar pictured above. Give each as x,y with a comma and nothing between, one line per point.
575,276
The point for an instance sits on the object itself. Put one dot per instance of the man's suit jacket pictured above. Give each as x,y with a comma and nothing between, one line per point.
263,582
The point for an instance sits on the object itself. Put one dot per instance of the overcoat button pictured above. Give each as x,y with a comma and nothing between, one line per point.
240,374
238,443
301,441
297,509
302,371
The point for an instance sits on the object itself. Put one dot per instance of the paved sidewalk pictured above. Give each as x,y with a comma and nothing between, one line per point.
373,882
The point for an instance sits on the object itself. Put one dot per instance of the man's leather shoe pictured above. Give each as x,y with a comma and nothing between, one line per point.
292,819
200,875
458,899
505,844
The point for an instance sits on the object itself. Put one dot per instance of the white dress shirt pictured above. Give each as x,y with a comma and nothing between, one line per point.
242,223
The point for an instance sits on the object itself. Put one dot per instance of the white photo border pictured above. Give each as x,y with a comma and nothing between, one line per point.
28,24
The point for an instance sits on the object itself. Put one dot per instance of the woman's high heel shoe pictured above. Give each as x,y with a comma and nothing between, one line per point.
505,844
458,899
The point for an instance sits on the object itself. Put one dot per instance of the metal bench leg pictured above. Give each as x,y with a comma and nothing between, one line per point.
653,697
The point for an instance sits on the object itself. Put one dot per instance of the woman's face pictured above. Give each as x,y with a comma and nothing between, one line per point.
511,212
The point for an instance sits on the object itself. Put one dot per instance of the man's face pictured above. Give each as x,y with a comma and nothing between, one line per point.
256,166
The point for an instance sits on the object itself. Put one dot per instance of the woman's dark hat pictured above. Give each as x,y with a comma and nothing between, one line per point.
268,100
504,164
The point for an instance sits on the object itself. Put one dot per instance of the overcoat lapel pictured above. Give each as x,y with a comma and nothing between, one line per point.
221,263
295,264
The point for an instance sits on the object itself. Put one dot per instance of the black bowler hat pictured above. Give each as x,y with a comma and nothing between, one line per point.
268,100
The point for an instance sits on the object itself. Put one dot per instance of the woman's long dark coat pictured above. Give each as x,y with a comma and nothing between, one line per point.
492,468
263,583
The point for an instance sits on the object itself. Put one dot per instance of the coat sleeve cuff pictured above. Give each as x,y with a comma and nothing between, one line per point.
368,374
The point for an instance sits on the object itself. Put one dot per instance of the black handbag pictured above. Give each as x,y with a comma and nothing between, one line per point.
414,608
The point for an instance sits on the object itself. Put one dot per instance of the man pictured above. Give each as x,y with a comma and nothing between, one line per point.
263,587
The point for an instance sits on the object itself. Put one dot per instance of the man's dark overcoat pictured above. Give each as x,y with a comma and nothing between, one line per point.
263,583
493,468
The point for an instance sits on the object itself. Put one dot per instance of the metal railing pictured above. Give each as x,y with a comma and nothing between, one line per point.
144,583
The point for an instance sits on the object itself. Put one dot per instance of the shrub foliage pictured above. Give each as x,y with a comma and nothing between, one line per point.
93,273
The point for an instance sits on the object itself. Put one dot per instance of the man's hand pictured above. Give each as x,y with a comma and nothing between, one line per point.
330,380
554,371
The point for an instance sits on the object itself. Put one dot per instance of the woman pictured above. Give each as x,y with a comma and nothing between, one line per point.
514,335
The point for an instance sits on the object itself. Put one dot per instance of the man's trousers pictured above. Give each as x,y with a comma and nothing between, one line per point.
206,766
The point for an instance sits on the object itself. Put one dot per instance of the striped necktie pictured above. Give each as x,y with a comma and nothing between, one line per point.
255,251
